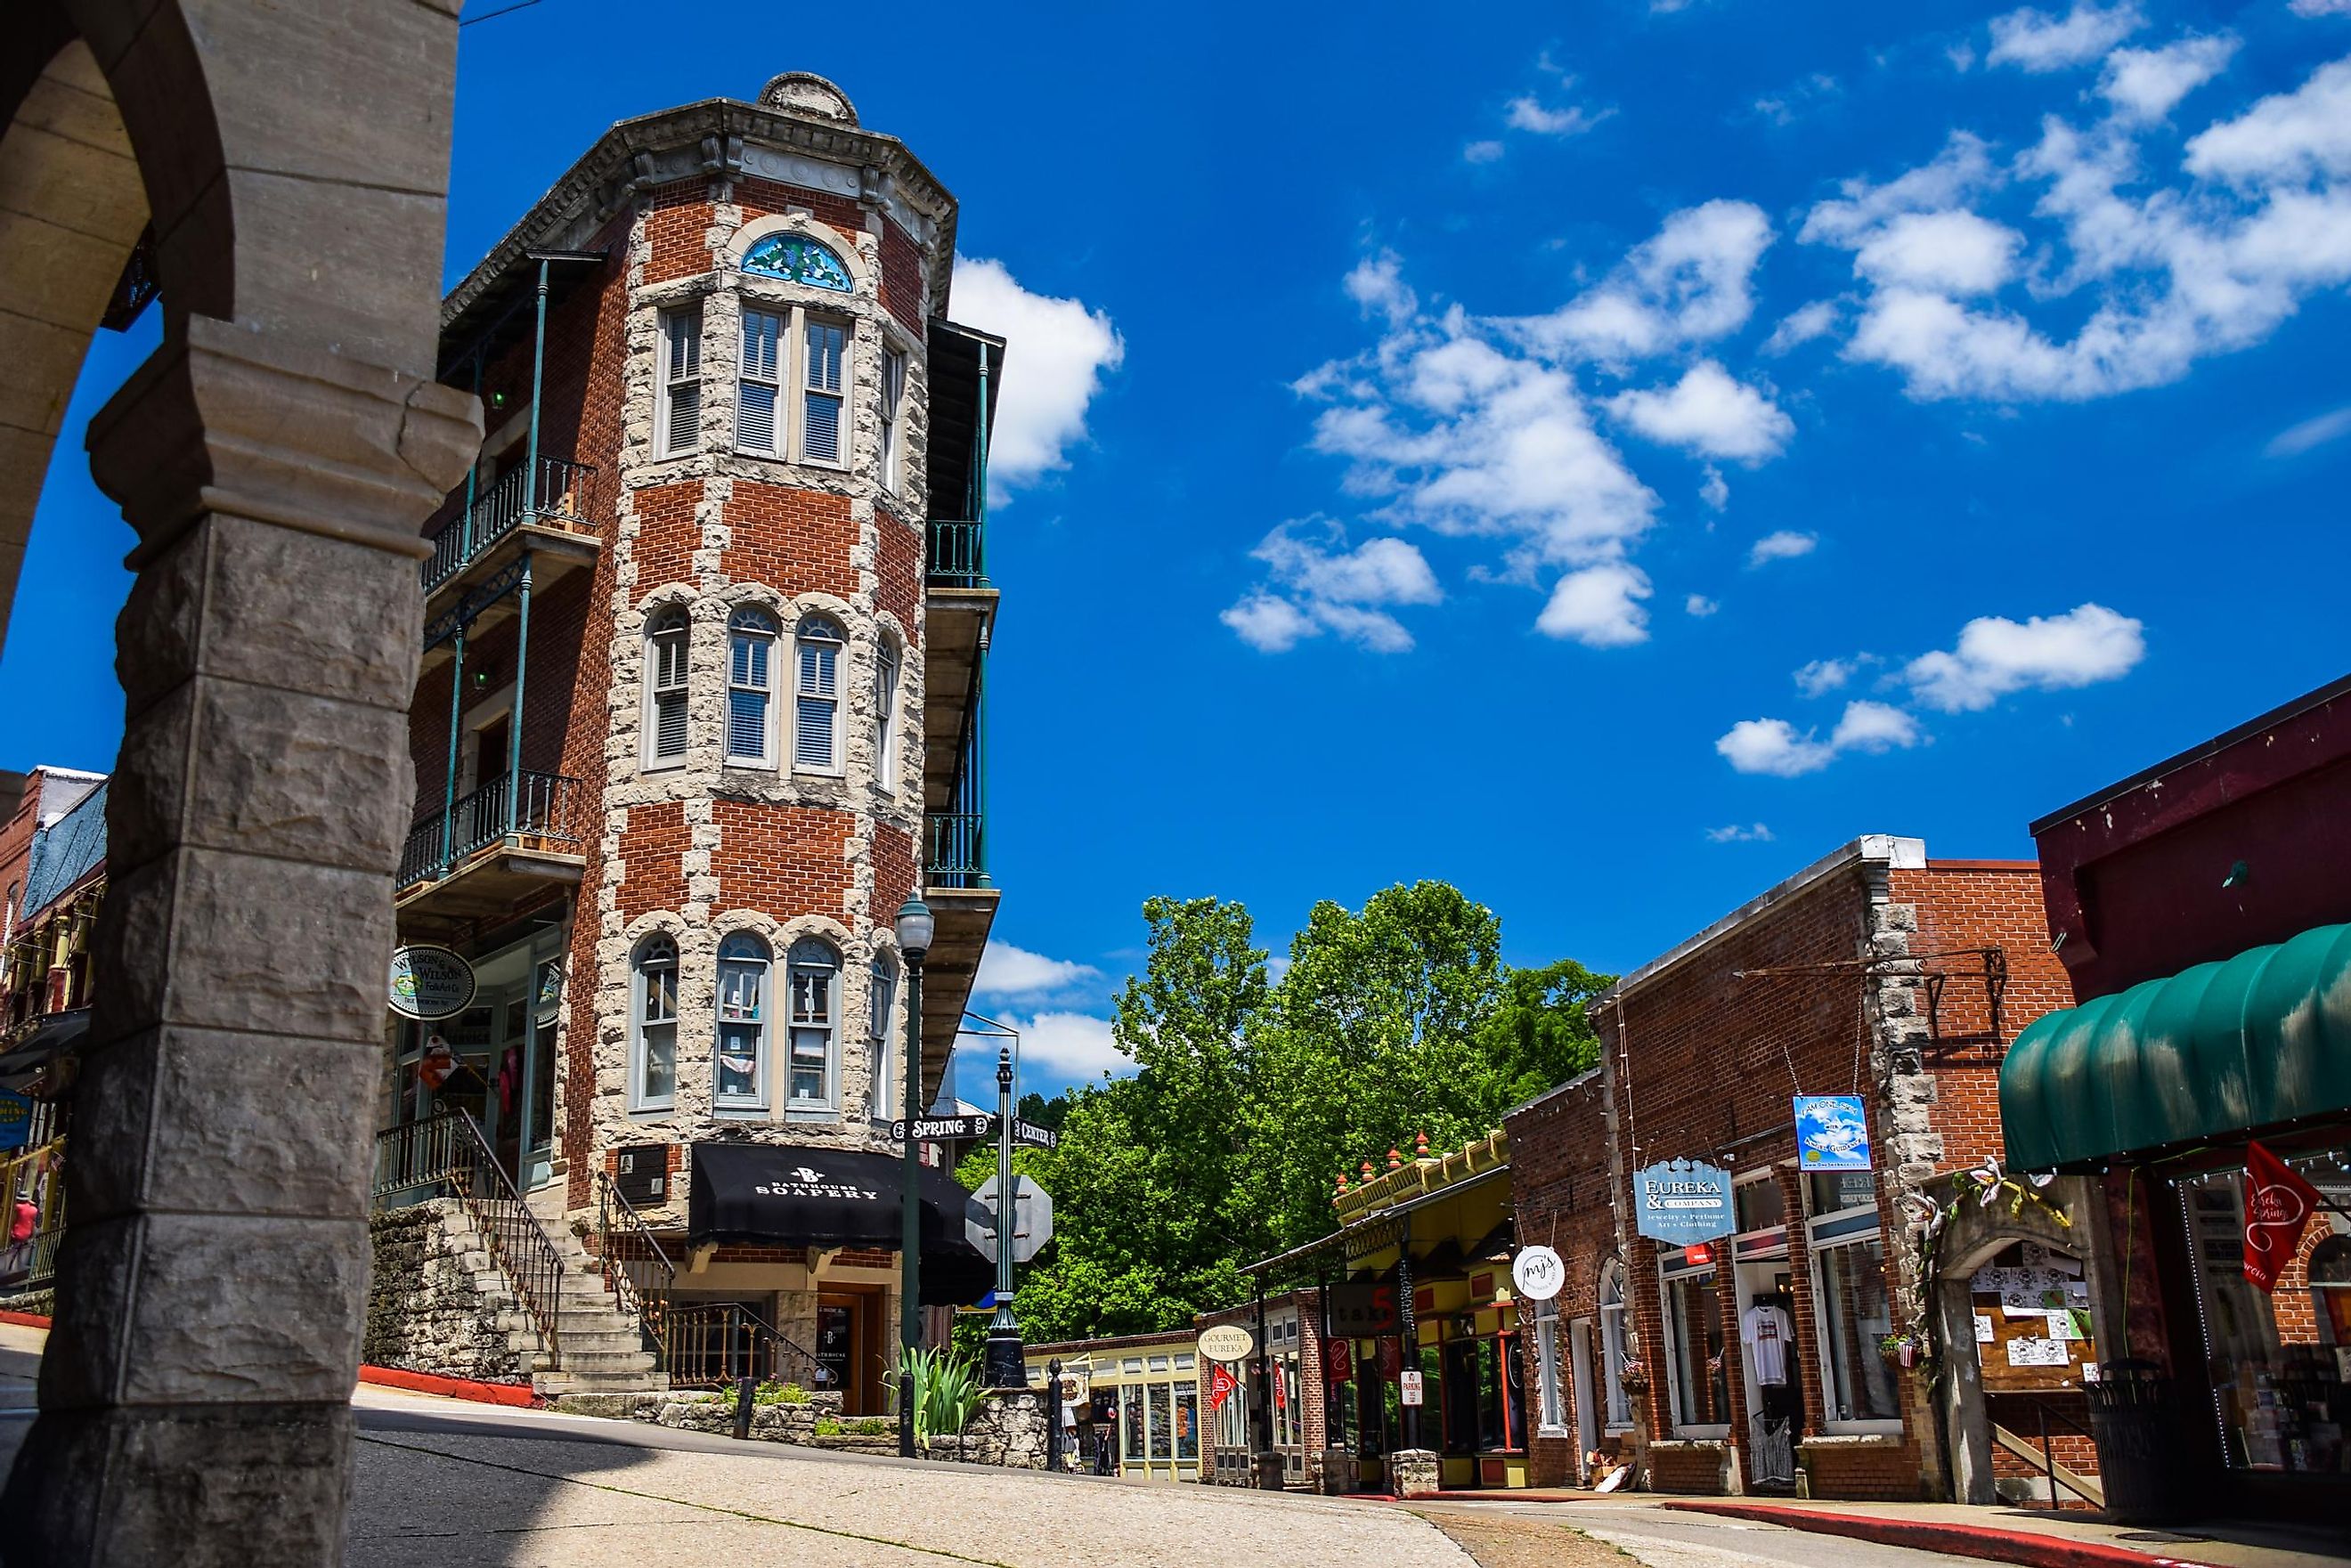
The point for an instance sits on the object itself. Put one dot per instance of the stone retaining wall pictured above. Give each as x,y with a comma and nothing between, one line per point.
424,1312
1008,1431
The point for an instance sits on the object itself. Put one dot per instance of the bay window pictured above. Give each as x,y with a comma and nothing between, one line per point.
750,689
677,390
653,1012
815,993
816,695
741,1080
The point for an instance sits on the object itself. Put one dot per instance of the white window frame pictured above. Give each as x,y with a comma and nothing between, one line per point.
889,673
881,1014
1551,1397
680,335
1839,1237
747,375
640,993
663,624
748,627
817,629
1615,1347
844,424
750,959
1665,1283
811,956
894,399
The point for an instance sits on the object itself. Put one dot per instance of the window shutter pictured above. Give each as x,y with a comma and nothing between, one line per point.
812,735
822,441
755,418
669,724
684,415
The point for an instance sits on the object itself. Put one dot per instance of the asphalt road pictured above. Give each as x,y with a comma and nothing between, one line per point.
1666,1539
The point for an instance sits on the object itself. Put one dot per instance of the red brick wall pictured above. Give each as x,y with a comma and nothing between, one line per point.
893,870
795,540
1562,1198
652,856
667,534
763,198
677,225
902,278
900,570
782,860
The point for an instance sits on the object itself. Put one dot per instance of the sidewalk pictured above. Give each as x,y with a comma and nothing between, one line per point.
2039,1538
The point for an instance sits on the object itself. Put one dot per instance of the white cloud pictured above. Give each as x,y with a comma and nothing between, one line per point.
2145,84
1698,604
1714,490
1058,353
1775,747
1709,412
1996,656
1823,675
1787,544
1528,113
1599,606
2037,41
1006,970
1802,325
1077,1046
1952,252
1736,834
1482,152
1269,622
2315,432
1377,286
2287,136
1689,283
1961,170
2320,8
1330,587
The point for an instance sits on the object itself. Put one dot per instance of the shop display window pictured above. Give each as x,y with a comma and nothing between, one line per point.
2280,1363
1694,1346
1157,1397
1615,1346
1187,1423
1855,1315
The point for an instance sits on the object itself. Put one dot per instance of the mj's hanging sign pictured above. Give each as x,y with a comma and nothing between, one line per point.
1682,1202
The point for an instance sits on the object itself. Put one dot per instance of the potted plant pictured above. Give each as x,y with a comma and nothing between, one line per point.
1904,1350
1633,1376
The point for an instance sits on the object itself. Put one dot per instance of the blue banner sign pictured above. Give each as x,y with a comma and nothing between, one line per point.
1682,1202
16,1120
1831,1133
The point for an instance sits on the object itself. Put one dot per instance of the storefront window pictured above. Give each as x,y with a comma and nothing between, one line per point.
1856,1314
1130,1421
2281,1364
1614,1341
1547,1371
1158,1394
1759,1204
1701,1385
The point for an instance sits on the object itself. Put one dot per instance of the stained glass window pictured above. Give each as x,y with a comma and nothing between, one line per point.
797,259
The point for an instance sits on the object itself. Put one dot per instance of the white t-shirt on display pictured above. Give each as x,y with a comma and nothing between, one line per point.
1765,1331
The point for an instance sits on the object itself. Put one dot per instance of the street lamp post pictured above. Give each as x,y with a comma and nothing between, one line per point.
915,928
1002,1365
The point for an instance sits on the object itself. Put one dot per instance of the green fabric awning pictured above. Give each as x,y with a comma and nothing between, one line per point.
2208,1054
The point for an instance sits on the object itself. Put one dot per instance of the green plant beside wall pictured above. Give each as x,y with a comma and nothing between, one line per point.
945,1392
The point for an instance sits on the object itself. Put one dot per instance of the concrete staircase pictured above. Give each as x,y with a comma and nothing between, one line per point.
602,1351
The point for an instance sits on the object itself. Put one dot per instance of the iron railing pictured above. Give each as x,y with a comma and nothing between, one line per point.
560,497
522,805
636,1270
447,1156
37,1175
718,1346
956,857
957,558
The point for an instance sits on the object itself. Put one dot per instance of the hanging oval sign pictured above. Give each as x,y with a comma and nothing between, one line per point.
1538,1273
1227,1342
430,982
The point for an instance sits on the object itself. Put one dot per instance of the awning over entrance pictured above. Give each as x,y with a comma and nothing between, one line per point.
49,1040
2210,1052
787,1194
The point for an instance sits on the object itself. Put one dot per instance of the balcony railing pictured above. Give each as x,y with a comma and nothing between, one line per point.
524,805
957,559
560,499
956,857
447,1156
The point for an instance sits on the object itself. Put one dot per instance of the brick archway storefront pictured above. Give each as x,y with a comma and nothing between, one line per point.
276,458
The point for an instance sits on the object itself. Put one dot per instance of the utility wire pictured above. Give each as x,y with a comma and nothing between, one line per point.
504,11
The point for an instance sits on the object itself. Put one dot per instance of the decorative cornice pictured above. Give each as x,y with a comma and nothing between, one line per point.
711,134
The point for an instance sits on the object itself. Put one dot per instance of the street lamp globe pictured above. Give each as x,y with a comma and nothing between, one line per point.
915,928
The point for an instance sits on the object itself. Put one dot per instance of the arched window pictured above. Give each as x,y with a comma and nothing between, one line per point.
665,682
816,695
815,1003
741,1080
886,713
652,1014
795,258
881,998
1615,1344
751,688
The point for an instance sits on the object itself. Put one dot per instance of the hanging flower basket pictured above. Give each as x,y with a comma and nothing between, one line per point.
1633,1378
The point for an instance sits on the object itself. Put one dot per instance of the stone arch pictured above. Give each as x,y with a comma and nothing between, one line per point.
1972,1235
276,458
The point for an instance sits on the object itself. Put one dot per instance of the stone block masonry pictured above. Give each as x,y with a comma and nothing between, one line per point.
427,1311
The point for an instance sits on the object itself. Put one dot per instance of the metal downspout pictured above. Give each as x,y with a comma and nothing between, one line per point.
537,374
514,715
473,479
449,784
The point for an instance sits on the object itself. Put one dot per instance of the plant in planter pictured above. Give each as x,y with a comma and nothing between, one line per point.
1633,1376
872,1427
825,1426
947,1392
779,1393
1907,1350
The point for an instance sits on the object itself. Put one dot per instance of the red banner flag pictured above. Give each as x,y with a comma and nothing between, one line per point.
1221,1383
2278,1204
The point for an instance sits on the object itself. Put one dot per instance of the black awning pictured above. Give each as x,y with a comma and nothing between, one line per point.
792,1195
50,1039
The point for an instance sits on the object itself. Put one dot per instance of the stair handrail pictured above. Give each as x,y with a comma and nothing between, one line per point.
769,1362
2059,1475
638,1271
457,1161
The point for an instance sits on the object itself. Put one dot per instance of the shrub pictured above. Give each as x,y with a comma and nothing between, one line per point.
947,1391
872,1427
825,1426
779,1393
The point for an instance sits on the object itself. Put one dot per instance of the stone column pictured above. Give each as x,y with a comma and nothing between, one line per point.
195,1392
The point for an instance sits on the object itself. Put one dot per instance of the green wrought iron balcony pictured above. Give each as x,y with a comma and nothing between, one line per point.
524,811
957,557
559,500
956,853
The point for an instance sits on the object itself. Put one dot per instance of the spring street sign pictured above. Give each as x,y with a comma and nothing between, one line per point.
1682,1202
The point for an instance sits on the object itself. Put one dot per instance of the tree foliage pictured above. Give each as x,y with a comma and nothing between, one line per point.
1250,1098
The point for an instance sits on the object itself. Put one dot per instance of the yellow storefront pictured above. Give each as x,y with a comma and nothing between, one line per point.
1141,1393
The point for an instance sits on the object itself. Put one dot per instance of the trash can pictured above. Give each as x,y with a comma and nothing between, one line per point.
2135,1420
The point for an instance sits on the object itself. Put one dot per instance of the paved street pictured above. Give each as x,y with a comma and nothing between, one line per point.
1523,1535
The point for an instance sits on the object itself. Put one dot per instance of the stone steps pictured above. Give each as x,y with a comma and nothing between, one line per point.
600,1348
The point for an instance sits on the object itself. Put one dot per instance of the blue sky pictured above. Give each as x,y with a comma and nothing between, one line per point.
1604,458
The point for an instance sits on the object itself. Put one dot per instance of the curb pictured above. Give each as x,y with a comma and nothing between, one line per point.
2020,1546
25,1320
516,1394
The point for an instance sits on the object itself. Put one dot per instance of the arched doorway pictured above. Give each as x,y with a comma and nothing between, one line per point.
275,456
